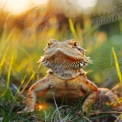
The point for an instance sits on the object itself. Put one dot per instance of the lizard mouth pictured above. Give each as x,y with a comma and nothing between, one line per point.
66,61
75,65
79,64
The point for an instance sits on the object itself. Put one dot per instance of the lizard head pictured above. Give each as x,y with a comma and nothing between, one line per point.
67,53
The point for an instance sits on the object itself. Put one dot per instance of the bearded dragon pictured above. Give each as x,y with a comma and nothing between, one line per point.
66,77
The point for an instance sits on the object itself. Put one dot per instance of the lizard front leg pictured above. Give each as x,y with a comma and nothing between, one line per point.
93,91
89,101
30,100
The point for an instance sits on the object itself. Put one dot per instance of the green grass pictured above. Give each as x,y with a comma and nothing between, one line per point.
19,53
117,66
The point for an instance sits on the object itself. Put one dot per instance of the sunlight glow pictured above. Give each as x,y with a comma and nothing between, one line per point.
67,6
41,106
19,6
15,6
38,2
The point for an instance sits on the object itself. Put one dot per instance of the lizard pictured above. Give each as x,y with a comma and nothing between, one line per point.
66,77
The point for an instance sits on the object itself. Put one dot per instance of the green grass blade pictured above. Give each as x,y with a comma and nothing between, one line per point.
9,72
3,59
117,66
32,76
72,28
18,90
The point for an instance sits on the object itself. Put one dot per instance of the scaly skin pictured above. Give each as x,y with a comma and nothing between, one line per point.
66,78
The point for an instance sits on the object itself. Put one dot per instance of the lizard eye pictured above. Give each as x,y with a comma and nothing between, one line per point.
75,44
72,42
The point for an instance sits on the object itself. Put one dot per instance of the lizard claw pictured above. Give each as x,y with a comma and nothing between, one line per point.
26,110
